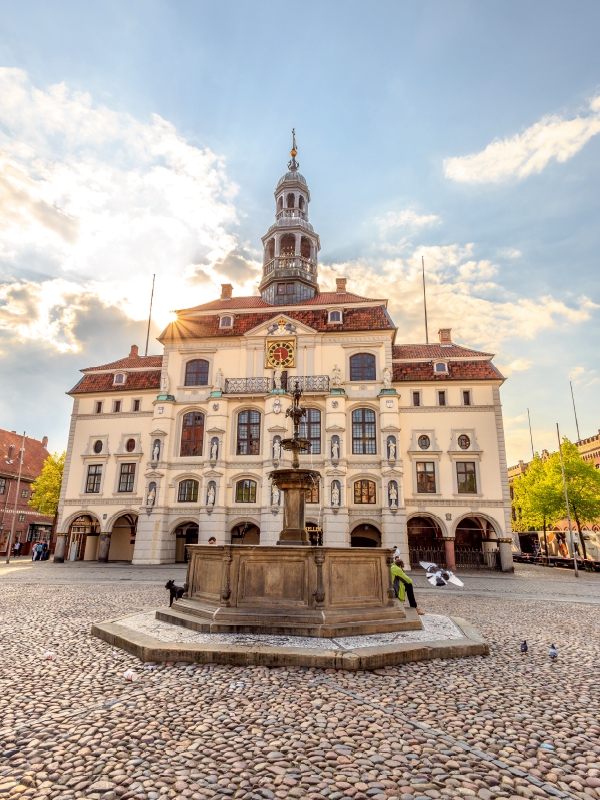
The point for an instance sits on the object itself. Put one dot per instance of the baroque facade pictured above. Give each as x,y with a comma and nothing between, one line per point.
408,438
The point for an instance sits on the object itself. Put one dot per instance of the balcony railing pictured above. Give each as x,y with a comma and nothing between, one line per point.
248,385
291,262
291,212
308,383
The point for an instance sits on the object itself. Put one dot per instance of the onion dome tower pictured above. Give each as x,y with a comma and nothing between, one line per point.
290,245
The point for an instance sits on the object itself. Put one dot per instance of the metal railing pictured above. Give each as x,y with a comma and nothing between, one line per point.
248,385
308,383
465,558
434,556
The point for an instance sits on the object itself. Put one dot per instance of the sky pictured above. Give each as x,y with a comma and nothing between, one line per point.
147,137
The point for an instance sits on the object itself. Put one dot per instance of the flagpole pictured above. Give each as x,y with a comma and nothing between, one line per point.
530,435
14,519
575,412
150,314
562,469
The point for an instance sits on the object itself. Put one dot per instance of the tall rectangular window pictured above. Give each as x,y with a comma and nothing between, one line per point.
310,428
94,476
98,406
248,433
364,440
126,477
466,397
465,473
24,492
136,405
441,398
416,398
117,406
2,485
425,477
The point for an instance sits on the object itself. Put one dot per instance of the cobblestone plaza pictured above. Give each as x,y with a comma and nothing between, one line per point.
505,725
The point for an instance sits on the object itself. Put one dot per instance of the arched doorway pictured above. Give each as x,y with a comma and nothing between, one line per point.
425,541
84,533
476,543
365,535
245,533
185,533
122,538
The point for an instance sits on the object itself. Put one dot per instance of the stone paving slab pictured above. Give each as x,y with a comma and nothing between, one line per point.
151,639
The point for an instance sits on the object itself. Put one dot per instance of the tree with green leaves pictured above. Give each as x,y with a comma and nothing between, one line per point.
46,488
583,486
536,499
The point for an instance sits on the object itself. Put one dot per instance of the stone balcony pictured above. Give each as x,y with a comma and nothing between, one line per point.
310,384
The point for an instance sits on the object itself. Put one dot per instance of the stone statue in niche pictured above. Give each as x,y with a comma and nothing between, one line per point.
156,450
393,496
277,377
335,494
210,497
214,451
277,449
164,384
219,380
335,450
151,497
274,495
386,374
392,450
336,377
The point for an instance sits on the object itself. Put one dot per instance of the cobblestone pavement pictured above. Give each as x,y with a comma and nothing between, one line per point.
505,725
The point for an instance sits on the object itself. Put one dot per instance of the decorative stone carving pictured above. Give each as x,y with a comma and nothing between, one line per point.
386,374
391,447
151,496
164,384
335,448
335,494
214,449
277,406
277,448
211,494
219,379
156,450
336,377
393,494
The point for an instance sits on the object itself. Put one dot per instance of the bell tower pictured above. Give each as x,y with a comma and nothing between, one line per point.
290,245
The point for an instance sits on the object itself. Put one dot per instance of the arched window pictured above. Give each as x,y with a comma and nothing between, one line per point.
248,433
364,492
290,200
335,316
192,434
301,203
188,491
288,244
225,322
119,378
280,204
271,249
196,372
363,431
310,428
245,491
362,367
305,247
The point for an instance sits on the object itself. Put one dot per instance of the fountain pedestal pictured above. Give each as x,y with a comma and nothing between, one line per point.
294,483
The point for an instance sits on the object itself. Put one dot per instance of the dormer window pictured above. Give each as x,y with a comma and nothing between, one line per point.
226,322
119,379
440,368
335,318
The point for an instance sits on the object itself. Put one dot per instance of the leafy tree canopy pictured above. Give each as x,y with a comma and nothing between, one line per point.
46,488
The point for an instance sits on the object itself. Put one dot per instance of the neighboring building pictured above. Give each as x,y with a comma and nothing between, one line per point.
408,438
30,527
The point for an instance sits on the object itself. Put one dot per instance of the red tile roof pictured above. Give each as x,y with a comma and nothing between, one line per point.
415,352
355,319
131,362
457,371
322,299
103,382
33,461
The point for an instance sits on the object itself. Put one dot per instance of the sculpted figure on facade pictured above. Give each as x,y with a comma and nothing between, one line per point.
164,384
393,495
392,450
277,377
386,374
335,449
210,497
156,450
335,494
274,495
214,451
219,380
277,449
336,377
151,497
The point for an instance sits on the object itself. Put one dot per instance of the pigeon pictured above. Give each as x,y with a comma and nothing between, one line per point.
438,576
553,652
524,647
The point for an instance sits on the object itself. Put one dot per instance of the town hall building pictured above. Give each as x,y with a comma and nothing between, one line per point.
176,449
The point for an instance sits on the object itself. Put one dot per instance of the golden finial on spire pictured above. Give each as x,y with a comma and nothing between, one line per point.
294,150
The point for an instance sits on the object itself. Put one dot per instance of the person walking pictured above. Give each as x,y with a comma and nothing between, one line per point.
403,585
17,548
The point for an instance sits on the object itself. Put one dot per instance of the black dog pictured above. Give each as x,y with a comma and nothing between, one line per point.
175,592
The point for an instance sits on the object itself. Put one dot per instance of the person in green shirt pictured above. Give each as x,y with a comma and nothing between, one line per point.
403,584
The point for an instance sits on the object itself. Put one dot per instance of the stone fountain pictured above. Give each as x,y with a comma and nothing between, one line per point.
292,588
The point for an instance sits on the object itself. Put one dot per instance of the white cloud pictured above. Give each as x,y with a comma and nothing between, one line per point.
474,270
510,252
584,377
99,201
407,218
517,365
552,138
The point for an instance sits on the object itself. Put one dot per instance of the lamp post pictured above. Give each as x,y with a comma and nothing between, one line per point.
14,517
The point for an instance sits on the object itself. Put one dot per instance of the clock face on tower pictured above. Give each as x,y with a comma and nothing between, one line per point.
281,353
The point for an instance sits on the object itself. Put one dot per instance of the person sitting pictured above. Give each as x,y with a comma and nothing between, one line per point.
403,584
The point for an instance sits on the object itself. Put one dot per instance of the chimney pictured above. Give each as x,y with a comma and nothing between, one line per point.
340,285
445,335
226,291
45,442
134,351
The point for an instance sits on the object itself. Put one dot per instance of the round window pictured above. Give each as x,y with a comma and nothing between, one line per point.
424,442
464,442
130,446
97,446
